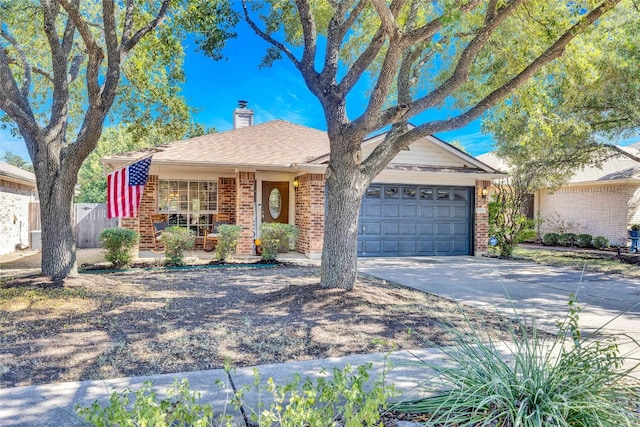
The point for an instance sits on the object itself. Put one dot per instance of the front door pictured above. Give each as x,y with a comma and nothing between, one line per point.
275,202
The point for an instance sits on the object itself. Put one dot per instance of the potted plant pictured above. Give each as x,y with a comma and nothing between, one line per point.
634,231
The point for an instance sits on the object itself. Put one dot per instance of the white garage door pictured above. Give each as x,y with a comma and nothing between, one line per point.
405,220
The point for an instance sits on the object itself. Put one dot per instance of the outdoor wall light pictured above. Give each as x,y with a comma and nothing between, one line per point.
485,193
296,182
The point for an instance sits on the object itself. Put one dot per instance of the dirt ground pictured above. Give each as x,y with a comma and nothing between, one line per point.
150,321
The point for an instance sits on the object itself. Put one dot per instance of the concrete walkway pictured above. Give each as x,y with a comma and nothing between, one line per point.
482,282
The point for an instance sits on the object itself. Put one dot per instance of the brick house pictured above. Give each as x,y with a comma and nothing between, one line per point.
601,201
428,201
17,190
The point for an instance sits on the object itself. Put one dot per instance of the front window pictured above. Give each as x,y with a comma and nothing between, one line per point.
189,204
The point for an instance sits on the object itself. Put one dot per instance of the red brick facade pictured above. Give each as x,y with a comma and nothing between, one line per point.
245,211
481,217
227,198
309,214
236,197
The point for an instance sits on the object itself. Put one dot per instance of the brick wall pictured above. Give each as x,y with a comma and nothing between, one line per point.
481,218
14,200
227,197
309,214
603,210
245,211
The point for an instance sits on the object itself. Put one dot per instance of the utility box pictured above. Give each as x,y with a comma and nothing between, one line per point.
36,240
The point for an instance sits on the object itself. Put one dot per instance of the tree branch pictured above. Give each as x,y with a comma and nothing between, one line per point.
266,37
150,26
310,35
26,66
388,149
459,75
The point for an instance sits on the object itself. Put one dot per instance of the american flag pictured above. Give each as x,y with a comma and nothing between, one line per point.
125,187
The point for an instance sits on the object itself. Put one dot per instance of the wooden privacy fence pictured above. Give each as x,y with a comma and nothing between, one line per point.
90,218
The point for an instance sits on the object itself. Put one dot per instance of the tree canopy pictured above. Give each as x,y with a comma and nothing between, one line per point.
455,58
568,117
66,64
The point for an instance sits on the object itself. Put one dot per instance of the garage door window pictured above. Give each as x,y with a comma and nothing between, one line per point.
391,192
409,193
373,193
443,195
426,194
459,195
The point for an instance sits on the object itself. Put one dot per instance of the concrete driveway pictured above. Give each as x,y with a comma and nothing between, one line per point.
610,302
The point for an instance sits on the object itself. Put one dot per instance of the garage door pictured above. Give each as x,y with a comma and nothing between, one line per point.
404,220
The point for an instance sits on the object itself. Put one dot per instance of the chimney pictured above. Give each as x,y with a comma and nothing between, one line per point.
242,116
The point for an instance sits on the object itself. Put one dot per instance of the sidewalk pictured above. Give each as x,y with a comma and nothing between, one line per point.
52,405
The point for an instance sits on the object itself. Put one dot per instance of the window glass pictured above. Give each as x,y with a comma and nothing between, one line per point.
189,203
426,193
408,192
373,193
459,195
275,203
443,195
391,192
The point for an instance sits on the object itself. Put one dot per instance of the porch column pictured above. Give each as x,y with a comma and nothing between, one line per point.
245,211
309,214
481,218
142,223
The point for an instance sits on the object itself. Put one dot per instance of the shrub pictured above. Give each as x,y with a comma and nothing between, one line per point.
551,381
635,227
119,244
341,399
142,408
568,239
551,239
276,238
176,240
600,242
584,240
227,240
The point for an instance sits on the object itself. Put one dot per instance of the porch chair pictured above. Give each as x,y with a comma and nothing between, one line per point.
159,222
211,238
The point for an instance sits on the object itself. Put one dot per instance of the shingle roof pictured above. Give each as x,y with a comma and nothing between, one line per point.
14,172
617,167
274,143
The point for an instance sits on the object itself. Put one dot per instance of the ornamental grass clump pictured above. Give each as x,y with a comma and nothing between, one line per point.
543,380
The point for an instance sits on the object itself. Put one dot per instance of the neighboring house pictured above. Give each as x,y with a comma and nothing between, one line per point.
17,190
601,201
428,201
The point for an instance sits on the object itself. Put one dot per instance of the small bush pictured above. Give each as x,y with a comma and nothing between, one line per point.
344,399
176,240
584,240
343,396
142,408
276,238
600,242
227,240
551,239
550,381
568,239
119,243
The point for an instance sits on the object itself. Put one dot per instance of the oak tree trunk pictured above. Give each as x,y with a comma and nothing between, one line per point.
344,196
56,178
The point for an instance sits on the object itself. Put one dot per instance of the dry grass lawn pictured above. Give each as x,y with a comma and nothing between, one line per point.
142,322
